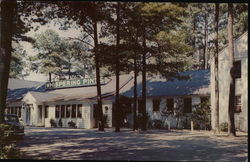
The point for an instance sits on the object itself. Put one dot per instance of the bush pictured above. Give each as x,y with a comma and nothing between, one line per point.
52,123
9,152
60,122
72,124
157,123
186,122
105,121
201,116
224,127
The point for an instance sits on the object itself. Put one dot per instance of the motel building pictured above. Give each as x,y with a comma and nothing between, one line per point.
39,103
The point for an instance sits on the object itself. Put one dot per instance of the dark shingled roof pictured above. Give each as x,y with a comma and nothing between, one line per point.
18,88
197,84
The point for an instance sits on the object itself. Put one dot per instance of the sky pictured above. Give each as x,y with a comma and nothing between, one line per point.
31,52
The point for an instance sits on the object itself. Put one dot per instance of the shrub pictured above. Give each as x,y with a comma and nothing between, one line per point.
72,124
52,123
60,122
105,121
9,152
224,127
201,116
186,122
157,123
140,119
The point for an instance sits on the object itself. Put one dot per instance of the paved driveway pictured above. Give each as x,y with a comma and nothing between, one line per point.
58,143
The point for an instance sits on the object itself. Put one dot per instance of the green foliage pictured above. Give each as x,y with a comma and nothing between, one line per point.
224,127
157,123
201,116
52,123
141,119
186,121
18,64
49,46
57,55
105,121
60,122
9,151
72,124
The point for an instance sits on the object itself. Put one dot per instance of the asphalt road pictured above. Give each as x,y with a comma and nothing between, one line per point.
153,145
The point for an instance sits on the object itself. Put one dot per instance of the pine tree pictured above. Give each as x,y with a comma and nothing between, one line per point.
231,124
216,73
7,15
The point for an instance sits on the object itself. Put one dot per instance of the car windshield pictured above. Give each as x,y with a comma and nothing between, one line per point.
11,118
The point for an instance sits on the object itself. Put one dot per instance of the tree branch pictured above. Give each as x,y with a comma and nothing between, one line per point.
70,38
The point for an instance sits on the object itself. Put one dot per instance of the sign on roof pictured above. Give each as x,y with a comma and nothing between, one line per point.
73,83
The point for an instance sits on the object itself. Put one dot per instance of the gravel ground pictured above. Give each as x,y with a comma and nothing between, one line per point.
152,145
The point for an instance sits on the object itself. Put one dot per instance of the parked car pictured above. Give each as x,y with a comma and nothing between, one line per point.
16,129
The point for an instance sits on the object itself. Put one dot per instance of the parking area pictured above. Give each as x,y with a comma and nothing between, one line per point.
152,145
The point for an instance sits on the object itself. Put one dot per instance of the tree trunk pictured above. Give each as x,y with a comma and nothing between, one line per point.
50,77
216,73
194,37
135,126
69,70
98,82
144,84
117,72
7,11
205,45
231,124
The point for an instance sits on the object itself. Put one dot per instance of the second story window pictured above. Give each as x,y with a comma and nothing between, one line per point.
237,69
237,104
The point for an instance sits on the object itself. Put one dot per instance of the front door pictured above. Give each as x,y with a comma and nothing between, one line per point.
28,115
40,115
95,115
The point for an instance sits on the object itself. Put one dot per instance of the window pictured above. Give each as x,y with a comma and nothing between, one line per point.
15,112
28,111
106,109
128,108
46,111
57,111
19,111
73,113
40,111
79,111
237,69
12,110
67,111
8,110
140,106
62,111
170,104
95,110
237,104
156,105
187,105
